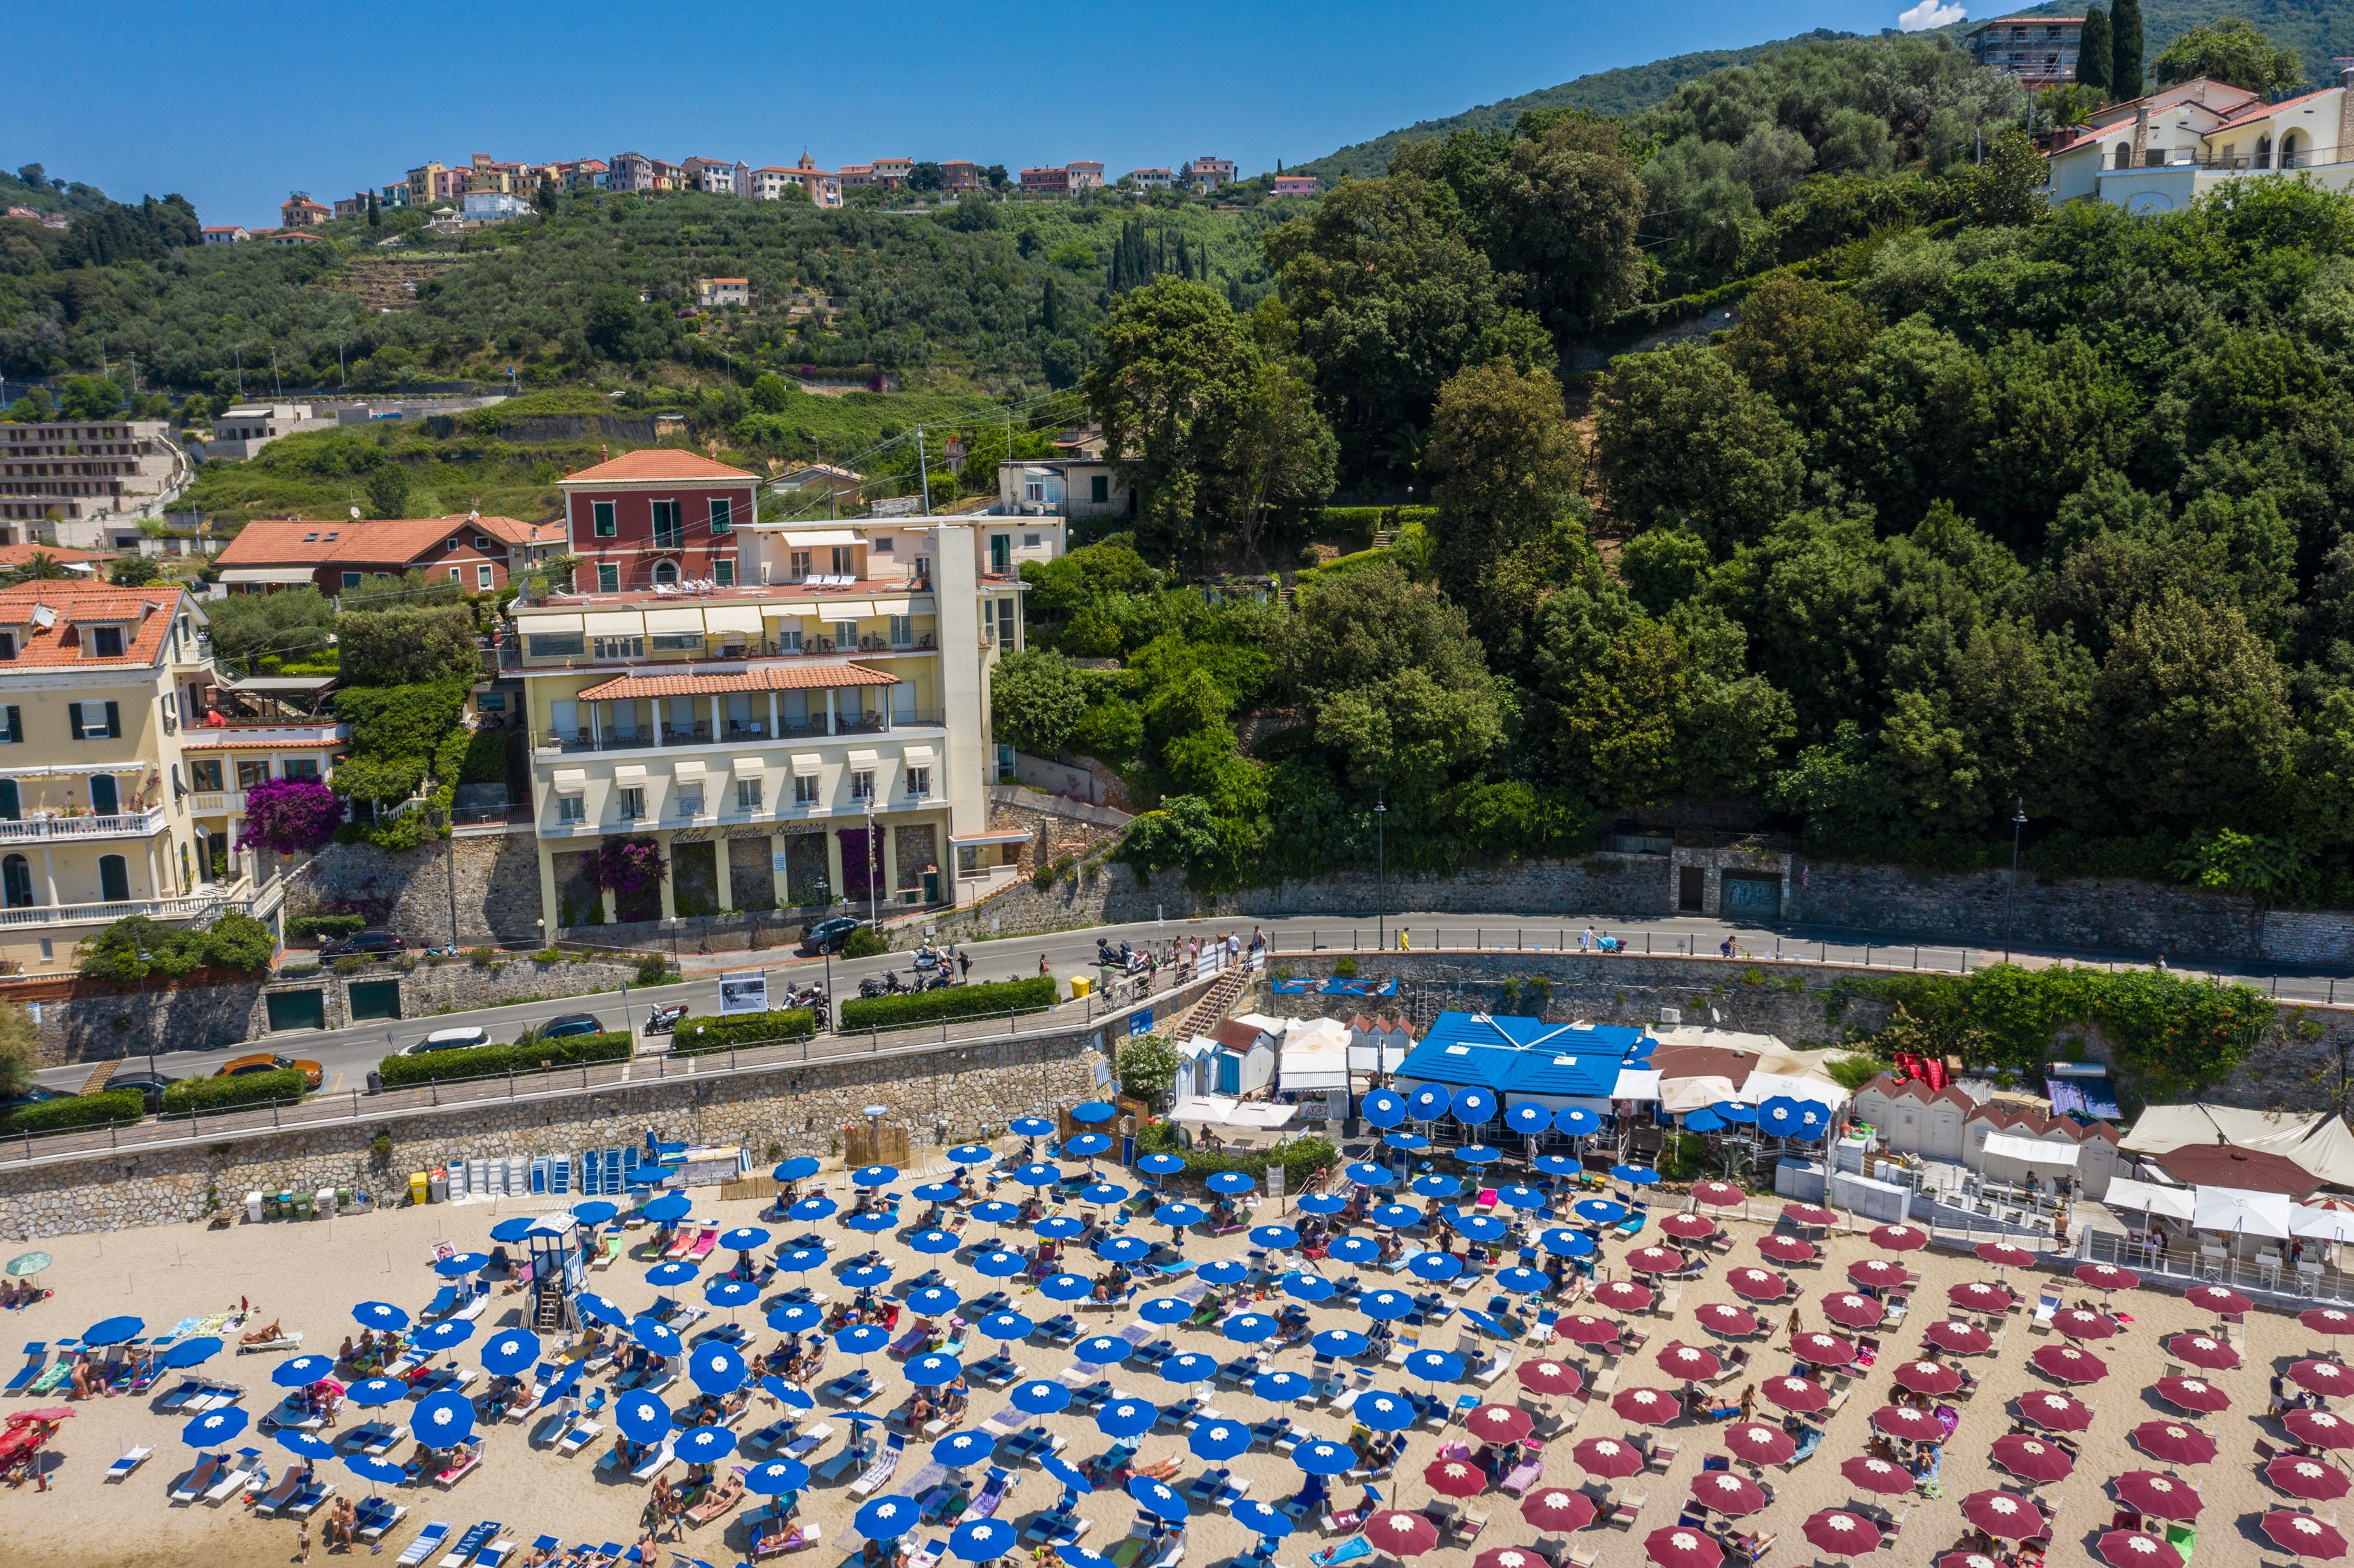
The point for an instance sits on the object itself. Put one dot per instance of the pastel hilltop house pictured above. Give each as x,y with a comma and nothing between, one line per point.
2156,154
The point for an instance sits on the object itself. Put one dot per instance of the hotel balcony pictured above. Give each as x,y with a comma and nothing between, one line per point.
45,828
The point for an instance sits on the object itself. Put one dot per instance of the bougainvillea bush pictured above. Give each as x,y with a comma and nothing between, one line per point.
632,870
291,816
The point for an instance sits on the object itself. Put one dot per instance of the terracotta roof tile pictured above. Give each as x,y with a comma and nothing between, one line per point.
657,463
13,555
1915,1089
759,678
1235,1035
392,541
76,604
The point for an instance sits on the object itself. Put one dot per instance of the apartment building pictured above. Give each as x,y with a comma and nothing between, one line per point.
61,482
2159,152
2040,51
239,432
636,172
1085,486
392,196
227,234
298,211
495,206
1084,175
717,293
1152,179
99,816
1207,173
717,176
817,733
582,175
658,518
1292,185
822,186
479,554
959,175
1046,181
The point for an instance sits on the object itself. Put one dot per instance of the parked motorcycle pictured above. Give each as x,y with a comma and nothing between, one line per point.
888,984
664,1020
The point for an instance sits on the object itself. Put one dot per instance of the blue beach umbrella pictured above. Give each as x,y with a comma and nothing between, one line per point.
1435,1267
1382,1411
795,1317
862,1338
1216,1440
873,1223
1322,1457
1225,1271
959,1450
642,1418
1409,1142
214,1426
1435,1366
792,1395
1340,1342
1385,1306
1102,1350
1703,1122
1248,1327
113,1331
1157,1499
512,1231
800,1168
1230,1183
371,1392
1733,1113
595,1212
1428,1103
1100,1192
1177,1216
1122,1249
646,1176
996,1212
1040,1397
933,1300
369,1467
885,1518
192,1353
1437,1185
508,1352
1007,1326
1030,1127
937,1193
716,1367
1565,1243
1522,1281
441,1336
1555,1165
1395,1217
1161,1164
379,1314
461,1263
1064,1287
1276,1238
660,1337
972,1154
1090,1112
1479,1227
1282,1387
1356,1249
1057,1227
1127,1418
800,1259
744,1238
982,1539
1520,1197
442,1420
597,1310
1381,1109
704,1445
303,1370
1191,1367
875,1176
668,1209
1163,1311
815,1207
1576,1121
1039,1175
775,1477
866,1275
1366,1174
1599,1211
1634,1175
1260,1518
933,1371
1325,1203
1086,1145
1472,1105
665,1274
999,1264
1309,1288
1478,1154
1528,1120
727,1293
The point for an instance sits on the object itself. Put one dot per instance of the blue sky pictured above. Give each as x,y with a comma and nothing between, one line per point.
233,106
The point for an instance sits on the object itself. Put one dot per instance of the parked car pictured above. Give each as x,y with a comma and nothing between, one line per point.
151,1086
449,1040
238,1066
571,1023
828,936
31,1096
375,942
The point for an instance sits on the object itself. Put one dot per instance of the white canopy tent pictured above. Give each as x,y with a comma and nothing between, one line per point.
1763,1087
1314,1058
1678,1095
2238,1211
2149,1198
1217,1110
2322,1144
2031,1151
1636,1084
2322,1225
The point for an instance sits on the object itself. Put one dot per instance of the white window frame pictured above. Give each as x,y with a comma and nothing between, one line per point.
571,808
919,783
630,802
805,788
749,794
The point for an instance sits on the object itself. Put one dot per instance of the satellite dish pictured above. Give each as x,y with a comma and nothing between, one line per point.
356,513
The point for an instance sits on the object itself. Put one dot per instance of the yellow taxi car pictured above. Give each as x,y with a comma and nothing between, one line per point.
238,1066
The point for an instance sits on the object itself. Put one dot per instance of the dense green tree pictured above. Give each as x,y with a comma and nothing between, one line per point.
388,491
1681,441
404,647
90,398
2093,50
1508,464
2193,718
132,571
1799,342
1663,566
2124,49
2232,50
1036,700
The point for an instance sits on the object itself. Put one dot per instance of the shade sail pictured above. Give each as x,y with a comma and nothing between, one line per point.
2242,1212
2031,1151
2149,1198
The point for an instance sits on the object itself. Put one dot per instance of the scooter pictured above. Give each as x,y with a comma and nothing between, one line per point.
929,958
663,1019
889,984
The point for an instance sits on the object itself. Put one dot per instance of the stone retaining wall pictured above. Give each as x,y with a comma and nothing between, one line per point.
947,1094
497,894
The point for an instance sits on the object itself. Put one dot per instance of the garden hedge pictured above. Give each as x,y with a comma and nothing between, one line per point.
110,1108
490,1060
1033,995
282,1086
695,1036
329,926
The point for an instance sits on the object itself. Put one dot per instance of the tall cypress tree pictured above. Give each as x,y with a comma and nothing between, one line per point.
2093,52
2124,49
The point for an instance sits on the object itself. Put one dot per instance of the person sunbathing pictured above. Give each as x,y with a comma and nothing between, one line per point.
84,1384
920,1409
263,1336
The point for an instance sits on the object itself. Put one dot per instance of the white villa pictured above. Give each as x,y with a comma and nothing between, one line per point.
2153,154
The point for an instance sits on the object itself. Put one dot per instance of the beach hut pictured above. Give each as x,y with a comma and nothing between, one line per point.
1312,1066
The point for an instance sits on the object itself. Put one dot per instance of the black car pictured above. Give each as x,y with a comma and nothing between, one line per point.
828,936
151,1086
375,942
571,1023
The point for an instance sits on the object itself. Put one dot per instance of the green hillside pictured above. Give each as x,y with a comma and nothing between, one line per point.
2316,29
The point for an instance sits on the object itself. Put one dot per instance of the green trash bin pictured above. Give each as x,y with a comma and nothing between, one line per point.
303,1206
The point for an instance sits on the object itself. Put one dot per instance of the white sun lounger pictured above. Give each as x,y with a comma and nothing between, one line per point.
129,1461
427,1541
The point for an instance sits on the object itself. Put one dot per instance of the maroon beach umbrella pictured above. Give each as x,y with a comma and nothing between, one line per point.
2054,1411
1724,1318
1648,1407
1611,1458
1800,1396
2202,1351
1454,1478
2004,1255
1657,1260
2005,1515
1935,1379
1680,1546
2069,1364
2107,1277
1758,1284
2328,1320
1842,1534
2159,1495
1977,1295
2075,1323
1690,1363
1729,1494
2174,1443
2192,1393
2302,1535
1959,1337
1877,1476
1824,1350
1719,1195
1899,1238
1622,1295
1759,1443
2133,1549
2031,1459
2320,1428
2308,1476
1401,1534
1809,1216
1907,1425
1788,1249
1689,1227
1548,1377
1879,1273
1558,1508
1499,1424
2215,1298
2322,1377
1584,1328
1850,1310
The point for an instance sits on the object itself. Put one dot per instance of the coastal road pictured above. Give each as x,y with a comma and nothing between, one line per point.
347,1054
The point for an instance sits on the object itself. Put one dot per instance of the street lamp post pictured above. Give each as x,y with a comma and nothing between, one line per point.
1382,869
873,865
2018,824
146,1023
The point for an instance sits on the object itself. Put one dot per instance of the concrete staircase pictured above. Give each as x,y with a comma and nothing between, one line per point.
1213,1007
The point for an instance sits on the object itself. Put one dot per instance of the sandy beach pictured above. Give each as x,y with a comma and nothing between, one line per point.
309,1276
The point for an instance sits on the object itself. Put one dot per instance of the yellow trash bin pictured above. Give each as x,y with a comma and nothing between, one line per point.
1081,985
416,1188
